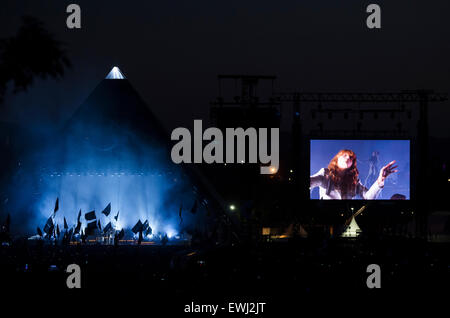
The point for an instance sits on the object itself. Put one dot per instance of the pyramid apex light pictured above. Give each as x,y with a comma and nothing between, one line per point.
115,74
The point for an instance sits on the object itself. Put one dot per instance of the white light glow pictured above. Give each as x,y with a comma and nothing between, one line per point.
170,232
115,74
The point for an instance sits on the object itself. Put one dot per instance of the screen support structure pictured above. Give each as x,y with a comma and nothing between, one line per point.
420,98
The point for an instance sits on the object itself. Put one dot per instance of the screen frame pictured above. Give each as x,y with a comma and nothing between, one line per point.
359,138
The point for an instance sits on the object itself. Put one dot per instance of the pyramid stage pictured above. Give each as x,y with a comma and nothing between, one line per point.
113,150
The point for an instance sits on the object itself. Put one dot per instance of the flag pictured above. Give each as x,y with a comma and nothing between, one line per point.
117,216
65,224
79,216
148,231
90,216
77,228
56,205
48,228
50,231
145,225
57,230
99,225
179,213
91,226
137,228
39,231
107,210
107,228
194,207
121,234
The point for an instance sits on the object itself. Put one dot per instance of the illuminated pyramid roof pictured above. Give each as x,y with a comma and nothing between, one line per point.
115,73
114,111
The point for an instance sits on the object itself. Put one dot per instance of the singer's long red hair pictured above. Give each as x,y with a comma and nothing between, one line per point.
344,180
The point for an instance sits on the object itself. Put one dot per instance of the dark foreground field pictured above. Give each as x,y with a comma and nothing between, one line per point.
311,266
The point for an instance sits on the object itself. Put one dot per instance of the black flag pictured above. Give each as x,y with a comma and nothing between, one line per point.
145,225
90,216
148,231
39,231
194,207
107,210
50,231
79,216
65,224
57,230
137,228
48,228
99,225
91,226
77,228
117,216
56,205
107,228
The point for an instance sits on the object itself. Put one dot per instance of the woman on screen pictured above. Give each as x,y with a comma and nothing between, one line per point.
340,181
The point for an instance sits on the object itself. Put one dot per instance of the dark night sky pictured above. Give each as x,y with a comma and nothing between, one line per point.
172,51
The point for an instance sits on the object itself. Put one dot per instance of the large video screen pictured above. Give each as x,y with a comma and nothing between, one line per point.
360,169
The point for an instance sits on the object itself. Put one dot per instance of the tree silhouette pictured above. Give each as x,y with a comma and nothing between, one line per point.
32,53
